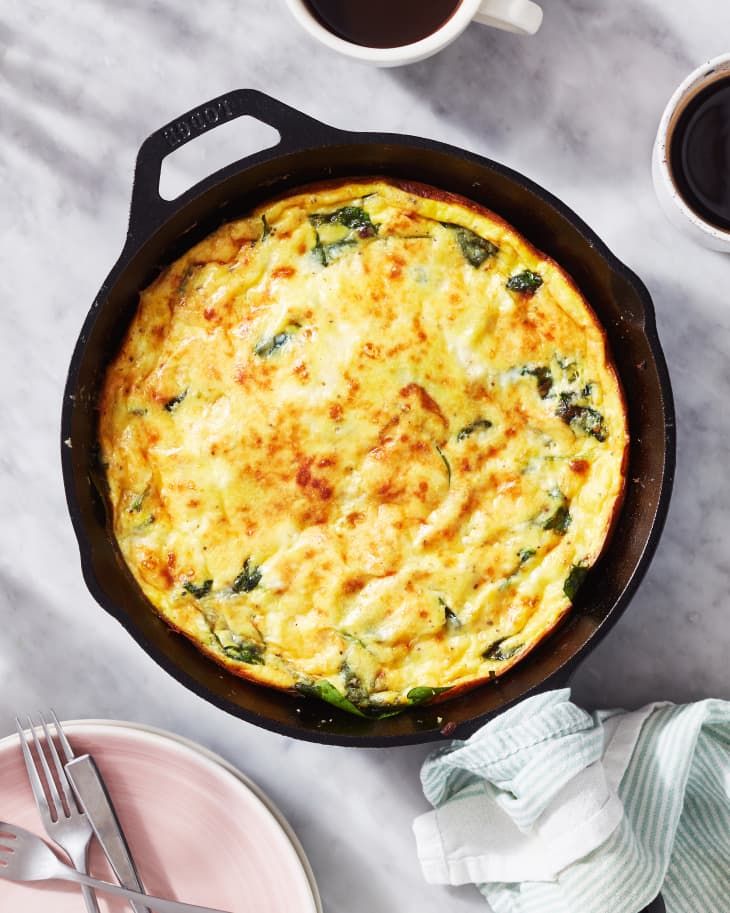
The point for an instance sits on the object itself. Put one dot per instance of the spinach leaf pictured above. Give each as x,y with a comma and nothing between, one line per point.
136,506
591,422
355,691
268,346
190,271
198,590
574,580
353,217
173,403
481,424
543,376
474,249
248,579
525,554
319,251
265,228
559,521
500,653
446,463
569,366
328,253
567,408
526,282
585,418
451,619
246,652
326,691
424,693
145,524
352,639
376,712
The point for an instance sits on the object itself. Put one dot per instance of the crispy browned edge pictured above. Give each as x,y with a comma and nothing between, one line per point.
428,191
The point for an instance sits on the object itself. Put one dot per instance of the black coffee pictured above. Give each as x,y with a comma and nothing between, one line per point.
699,153
383,23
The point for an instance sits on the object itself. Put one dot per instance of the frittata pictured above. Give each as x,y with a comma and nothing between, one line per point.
364,443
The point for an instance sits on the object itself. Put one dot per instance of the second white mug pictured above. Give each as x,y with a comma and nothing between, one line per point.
677,209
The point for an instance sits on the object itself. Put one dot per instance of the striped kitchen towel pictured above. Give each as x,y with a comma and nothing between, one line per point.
550,809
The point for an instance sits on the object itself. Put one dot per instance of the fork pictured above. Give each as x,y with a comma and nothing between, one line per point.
64,822
25,857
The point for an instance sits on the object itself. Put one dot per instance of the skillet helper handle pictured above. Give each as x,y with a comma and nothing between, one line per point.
520,16
148,209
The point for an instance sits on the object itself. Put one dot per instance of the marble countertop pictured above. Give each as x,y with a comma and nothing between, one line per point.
575,108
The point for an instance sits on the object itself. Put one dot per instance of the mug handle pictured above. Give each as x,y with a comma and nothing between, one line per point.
521,16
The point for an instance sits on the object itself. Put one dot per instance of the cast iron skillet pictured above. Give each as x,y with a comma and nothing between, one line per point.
159,231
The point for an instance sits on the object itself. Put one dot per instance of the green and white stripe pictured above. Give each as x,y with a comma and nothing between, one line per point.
674,835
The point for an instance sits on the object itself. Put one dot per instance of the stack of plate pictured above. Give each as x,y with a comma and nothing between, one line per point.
199,830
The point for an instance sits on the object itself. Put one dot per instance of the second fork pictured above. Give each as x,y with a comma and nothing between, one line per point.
63,820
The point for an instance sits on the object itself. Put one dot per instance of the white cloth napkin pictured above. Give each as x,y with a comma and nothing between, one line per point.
549,809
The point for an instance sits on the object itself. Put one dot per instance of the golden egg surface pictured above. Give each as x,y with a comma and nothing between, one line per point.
364,443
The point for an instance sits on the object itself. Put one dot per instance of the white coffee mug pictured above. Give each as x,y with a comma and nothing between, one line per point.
521,16
670,199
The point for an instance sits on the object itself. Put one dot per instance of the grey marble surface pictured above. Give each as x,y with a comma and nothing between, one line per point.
575,108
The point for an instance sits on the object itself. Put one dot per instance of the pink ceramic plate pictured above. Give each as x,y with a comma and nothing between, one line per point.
197,831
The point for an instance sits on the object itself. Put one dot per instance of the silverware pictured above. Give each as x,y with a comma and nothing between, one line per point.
63,820
25,857
91,792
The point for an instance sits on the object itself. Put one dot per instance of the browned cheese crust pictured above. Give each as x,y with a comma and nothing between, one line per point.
365,442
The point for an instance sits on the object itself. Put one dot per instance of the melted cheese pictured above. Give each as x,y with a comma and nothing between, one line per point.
345,451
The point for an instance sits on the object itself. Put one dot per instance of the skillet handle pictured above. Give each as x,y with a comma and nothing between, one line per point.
148,209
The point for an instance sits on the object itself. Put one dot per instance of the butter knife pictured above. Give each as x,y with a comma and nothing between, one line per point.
94,799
